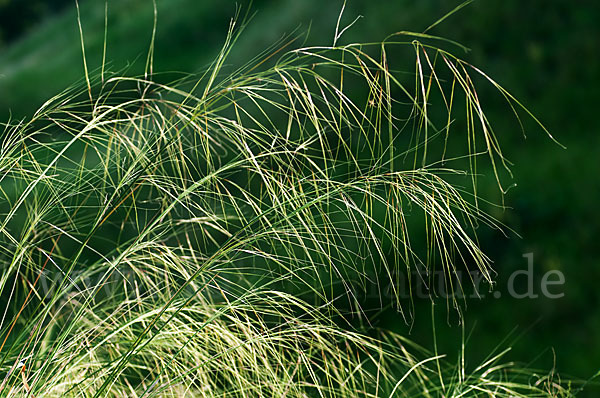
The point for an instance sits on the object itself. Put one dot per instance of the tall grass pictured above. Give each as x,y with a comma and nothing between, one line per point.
208,237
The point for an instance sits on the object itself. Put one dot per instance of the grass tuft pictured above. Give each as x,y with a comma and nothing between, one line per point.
198,238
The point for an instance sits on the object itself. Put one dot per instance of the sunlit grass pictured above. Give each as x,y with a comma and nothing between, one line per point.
196,238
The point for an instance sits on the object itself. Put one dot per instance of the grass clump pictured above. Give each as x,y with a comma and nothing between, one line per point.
211,236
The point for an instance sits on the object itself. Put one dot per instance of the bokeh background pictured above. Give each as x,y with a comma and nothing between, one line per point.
545,52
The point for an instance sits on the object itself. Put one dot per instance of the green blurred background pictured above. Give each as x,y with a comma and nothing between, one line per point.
545,52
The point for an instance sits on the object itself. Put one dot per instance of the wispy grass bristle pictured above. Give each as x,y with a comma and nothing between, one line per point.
196,238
